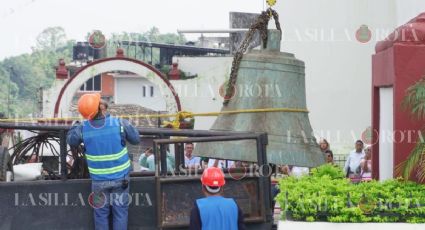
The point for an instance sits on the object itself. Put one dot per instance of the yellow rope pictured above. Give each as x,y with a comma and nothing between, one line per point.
178,116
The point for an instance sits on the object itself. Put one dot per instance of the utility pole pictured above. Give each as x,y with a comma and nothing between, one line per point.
8,91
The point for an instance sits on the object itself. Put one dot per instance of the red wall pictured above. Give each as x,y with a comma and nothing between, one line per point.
399,66
107,85
399,62
409,68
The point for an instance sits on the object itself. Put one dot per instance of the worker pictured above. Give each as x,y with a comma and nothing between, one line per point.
214,212
104,138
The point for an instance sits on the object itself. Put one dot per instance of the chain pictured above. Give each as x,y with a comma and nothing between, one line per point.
260,24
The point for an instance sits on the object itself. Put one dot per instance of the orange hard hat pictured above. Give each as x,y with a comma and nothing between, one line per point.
88,105
213,177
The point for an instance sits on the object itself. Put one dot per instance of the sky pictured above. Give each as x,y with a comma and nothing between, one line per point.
22,20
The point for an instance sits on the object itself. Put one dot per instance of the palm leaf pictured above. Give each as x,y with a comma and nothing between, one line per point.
415,102
414,161
420,174
415,99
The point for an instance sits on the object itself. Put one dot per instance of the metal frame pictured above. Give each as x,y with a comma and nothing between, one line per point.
160,159
55,126
261,141
166,51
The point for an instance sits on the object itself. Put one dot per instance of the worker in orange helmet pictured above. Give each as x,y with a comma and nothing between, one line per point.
214,212
104,138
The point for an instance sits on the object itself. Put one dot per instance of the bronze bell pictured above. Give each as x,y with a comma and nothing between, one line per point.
275,82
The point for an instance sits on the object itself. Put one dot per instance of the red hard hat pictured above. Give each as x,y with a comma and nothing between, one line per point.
213,177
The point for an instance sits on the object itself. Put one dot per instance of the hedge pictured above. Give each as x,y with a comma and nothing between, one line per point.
325,195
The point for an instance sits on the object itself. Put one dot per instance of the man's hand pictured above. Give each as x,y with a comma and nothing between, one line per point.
76,123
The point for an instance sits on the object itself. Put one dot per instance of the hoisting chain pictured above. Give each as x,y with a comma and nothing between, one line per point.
261,23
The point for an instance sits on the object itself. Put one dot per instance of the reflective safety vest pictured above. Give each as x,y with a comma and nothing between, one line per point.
106,154
218,213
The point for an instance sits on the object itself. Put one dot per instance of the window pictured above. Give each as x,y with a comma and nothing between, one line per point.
93,84
144,91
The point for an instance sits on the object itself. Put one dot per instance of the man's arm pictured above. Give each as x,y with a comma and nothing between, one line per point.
74,136
131,133
363,165
195,218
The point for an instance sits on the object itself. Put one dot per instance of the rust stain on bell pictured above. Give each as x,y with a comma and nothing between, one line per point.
268,79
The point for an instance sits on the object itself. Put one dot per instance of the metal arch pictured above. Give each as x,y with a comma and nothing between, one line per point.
150,67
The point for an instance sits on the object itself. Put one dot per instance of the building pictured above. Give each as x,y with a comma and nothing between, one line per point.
124,88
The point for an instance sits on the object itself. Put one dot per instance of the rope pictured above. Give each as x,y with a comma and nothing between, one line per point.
178,116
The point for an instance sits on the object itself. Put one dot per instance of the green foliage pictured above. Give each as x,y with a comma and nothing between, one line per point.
415,161
51,38
415,99
31,72
331,170
19,89
326,196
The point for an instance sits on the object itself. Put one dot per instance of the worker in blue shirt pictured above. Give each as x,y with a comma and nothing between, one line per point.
104,138
214,212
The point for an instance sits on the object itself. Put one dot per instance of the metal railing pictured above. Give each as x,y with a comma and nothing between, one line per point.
158,133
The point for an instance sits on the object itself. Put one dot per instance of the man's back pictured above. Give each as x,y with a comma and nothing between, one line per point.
217,213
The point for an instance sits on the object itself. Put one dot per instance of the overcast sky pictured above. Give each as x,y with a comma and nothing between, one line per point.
22,20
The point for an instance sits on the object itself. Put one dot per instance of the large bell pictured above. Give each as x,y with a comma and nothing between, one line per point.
268,79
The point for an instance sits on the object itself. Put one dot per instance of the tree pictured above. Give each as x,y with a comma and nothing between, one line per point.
8,92
32,71
415,102
35,70
51,38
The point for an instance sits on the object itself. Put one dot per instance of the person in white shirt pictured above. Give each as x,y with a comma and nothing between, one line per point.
299,171
352,165
190,161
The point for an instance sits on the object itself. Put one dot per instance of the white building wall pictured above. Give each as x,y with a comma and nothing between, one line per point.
338,67
129,90
50,96
386,128
408,9
201,94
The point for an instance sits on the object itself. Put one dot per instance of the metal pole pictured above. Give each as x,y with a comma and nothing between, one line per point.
177,158
155,153
135,51
8,92
209,139
143,53
264,179
163,152
63,153
48,126
181,154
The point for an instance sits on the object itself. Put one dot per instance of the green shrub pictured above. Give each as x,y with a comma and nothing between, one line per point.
333,171
326,195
